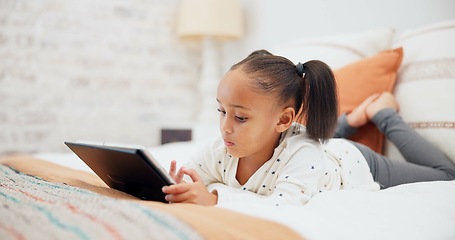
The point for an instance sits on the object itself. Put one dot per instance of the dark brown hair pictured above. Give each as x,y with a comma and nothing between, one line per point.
314,94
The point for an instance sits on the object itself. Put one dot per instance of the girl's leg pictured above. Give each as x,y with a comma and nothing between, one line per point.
348,123
424,162
343,129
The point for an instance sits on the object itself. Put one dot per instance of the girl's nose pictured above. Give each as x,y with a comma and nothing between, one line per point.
225,124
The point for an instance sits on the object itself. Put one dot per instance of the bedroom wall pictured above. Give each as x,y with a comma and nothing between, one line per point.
104,70
112,70
271,22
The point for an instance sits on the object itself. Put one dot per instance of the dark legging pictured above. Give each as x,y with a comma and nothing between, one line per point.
424,161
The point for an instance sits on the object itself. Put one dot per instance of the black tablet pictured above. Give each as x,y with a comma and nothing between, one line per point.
129,169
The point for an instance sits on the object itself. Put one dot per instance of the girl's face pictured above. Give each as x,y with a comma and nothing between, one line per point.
248,119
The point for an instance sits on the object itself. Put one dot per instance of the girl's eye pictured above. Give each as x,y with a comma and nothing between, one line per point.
221,111
241,119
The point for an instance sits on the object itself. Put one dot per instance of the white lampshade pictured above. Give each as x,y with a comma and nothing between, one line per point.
209,21
219,19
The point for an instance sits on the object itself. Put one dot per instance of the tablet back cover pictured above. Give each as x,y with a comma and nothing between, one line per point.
124,169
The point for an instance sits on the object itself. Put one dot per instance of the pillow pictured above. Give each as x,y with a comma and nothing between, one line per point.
362,79
337,50
426,85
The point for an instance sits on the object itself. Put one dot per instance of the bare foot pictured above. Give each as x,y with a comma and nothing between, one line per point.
358,117
385,100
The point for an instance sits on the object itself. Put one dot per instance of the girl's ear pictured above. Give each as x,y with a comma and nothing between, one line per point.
286,119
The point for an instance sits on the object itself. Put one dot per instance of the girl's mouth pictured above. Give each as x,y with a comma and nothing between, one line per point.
228,143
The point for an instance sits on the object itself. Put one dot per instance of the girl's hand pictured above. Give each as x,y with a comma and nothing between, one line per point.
177,177
195,192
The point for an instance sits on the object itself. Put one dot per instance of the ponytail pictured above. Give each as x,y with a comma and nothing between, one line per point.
320,102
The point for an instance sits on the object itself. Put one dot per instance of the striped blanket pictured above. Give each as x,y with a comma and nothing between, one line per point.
31,208
44,200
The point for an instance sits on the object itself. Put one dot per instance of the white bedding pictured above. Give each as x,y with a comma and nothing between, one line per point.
412,211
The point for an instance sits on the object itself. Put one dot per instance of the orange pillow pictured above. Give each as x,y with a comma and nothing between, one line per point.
362,79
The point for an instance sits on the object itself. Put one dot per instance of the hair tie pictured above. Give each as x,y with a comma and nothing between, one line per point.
300,69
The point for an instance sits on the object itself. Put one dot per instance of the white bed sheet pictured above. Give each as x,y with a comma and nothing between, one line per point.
411,211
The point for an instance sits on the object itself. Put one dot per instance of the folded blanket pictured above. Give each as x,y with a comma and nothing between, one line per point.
36,209
40,200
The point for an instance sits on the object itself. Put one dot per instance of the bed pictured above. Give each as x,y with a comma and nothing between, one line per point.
56,196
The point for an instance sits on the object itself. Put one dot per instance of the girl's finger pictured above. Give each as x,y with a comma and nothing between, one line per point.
176,188
173,168
180,175
194,176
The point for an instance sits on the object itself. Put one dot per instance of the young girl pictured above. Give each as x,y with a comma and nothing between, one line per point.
265,154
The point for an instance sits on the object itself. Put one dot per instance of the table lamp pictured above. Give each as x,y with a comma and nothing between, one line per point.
209,21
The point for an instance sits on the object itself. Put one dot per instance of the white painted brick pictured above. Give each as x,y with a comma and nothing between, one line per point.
97,70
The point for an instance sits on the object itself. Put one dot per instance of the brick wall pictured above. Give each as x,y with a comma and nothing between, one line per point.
106,70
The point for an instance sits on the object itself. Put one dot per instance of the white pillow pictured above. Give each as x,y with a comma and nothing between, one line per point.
425,86
337,50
